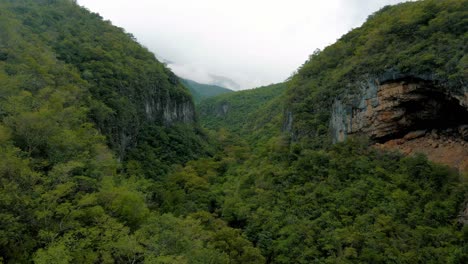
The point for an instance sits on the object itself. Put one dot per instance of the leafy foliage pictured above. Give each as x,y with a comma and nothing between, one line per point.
244,194
128,88
201,91
254,112
424,39
350,204
160,148
62,198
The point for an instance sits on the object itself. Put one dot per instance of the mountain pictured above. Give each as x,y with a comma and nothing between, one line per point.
409,42
129,94
104,158
201,91
243,112
89,121
129,89
403,71
327,182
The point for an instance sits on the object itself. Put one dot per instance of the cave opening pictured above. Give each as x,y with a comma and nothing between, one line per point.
431,110
436,111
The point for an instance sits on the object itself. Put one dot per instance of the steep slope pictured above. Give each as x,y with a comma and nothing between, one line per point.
245,111
201,91
260,198
67,77
404,70
414,43
129,88
310,201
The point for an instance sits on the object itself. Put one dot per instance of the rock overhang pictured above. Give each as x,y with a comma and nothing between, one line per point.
393,108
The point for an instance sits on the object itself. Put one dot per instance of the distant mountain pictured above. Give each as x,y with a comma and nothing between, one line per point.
224,82
244,112
191,72
202,91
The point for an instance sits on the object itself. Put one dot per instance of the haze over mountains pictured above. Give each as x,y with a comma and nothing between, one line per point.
106,156
253,43
201,76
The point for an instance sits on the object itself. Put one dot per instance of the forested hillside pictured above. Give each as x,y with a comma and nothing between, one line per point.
104,160
425,40
127,90
250,112
302,200
201,91
73,85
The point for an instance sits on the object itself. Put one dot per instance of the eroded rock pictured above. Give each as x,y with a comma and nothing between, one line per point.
393,109
409,114
451,151
415,134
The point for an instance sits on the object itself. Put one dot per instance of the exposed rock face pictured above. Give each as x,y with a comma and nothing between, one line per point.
393,109
442,146
169,111
399,113
152,108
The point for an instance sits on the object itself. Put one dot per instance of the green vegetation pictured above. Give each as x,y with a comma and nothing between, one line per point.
251,113
425,39
125,89
126,86
89,175
201,91
161,147
63,196
350,204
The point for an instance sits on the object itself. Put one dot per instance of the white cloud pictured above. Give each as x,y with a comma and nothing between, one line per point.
253,42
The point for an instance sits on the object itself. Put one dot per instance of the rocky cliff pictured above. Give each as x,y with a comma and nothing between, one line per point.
154,108
167,110
373,76
125,88
408,113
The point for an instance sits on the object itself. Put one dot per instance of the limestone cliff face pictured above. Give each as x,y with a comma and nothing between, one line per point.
149,109
168,110
407,113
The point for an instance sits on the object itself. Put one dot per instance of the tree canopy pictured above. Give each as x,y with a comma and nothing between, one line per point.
88,175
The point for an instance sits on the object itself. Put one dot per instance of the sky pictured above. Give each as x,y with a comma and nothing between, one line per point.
251,42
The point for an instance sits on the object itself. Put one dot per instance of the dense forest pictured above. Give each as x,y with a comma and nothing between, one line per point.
425,40
202,91
254,113
103,158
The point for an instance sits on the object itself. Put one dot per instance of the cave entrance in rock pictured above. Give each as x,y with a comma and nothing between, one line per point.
434,110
